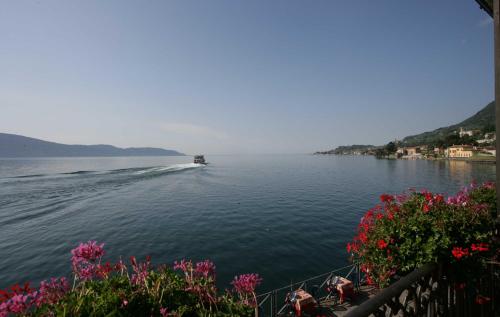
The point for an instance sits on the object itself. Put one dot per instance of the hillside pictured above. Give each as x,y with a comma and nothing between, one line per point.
482,119
12,145
349,149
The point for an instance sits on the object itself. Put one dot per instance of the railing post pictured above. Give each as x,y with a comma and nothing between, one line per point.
275,304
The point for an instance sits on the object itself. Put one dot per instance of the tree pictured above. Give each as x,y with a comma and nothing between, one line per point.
391,148
489,128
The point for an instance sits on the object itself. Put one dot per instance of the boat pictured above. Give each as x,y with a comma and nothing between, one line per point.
200,159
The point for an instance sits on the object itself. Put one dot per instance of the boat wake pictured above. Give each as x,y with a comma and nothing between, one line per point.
132,171
33,196
171,168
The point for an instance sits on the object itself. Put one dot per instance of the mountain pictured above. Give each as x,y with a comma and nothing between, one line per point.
12,145
481,120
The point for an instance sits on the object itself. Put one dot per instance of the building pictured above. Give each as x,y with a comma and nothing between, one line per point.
463,132
438,151
412,151
461,151
488,138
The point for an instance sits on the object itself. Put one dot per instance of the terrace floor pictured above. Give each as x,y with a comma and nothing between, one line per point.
331,308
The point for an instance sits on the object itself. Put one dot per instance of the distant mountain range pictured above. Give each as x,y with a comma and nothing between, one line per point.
482,119
12,145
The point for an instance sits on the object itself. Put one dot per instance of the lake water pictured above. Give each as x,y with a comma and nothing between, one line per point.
285,217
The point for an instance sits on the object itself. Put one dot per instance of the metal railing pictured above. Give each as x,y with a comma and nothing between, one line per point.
431,291
273,304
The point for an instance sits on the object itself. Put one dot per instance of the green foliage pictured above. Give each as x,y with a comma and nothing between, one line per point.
391,148
116,296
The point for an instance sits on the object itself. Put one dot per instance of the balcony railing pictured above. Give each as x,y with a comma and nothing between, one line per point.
430,291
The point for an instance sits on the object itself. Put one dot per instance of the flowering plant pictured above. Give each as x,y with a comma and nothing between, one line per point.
406,231
114,289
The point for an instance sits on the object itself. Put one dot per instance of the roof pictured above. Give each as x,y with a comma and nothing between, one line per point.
464,147
486,5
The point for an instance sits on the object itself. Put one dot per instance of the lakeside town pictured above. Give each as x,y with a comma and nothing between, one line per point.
463,144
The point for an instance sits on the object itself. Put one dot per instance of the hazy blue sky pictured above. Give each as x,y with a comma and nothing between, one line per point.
241,76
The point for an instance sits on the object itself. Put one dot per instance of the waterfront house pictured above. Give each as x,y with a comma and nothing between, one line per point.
412,151
461,151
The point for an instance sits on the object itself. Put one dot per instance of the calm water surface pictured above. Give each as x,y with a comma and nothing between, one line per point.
283,216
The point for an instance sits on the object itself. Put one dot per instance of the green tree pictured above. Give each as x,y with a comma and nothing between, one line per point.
391,148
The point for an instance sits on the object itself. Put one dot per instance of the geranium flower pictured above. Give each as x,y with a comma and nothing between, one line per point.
381,244
480,247
385,198
459,252
426,208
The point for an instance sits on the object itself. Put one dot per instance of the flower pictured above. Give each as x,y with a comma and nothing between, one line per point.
428,196
90,251
163,312
141,271
438,198
205,269
385,198
85,259
52,291
426,208
480,247
381,244
246,283
459,252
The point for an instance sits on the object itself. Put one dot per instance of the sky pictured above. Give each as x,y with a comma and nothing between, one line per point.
241,77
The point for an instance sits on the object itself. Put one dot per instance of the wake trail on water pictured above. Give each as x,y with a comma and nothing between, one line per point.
134,170
28,197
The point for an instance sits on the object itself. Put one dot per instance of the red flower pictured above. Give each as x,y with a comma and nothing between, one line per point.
381,244
362,237
386,198
426,208
439,198
459,252
380,216
428,196
480,247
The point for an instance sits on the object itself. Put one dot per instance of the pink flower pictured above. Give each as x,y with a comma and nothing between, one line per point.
88,252
141,270
52,291
85,259
246,283
183,265
206,269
